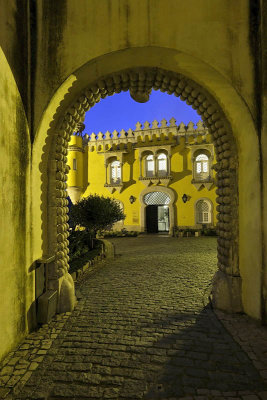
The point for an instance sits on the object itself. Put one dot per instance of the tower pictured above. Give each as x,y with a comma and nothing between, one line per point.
76,162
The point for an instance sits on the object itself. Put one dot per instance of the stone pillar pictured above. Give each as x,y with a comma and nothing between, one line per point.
169,164
121,166
226,292
106,166
141,169
155,158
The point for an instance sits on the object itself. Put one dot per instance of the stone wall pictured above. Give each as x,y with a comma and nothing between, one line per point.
16,277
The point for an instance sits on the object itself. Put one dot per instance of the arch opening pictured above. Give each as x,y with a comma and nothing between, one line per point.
138,80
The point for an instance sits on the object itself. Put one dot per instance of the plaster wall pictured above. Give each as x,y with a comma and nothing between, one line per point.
263,64
181,171
17,279
74,43
80,31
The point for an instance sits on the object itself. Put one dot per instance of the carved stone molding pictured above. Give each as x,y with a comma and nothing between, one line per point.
156,180
207,184
117,154
75,148
111,187
144,80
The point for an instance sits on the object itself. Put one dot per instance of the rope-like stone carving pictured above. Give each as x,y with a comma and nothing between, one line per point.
140,82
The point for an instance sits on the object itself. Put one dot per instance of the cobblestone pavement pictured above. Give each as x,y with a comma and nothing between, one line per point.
143,329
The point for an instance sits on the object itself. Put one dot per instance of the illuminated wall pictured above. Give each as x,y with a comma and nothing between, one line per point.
52,51
91,160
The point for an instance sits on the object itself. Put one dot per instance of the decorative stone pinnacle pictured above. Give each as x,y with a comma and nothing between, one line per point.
155,124
190,127
138,126
146,125
172,122
163,123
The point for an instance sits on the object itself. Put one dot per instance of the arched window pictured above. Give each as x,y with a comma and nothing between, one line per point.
203,210
115,172
202,166
150,165
162,164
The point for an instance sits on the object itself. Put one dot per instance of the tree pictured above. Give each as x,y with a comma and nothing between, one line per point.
96,213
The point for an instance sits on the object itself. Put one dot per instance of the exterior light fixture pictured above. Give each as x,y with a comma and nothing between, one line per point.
132,199
185,198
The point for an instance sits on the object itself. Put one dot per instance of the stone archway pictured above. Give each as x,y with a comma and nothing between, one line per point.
227,292
171,195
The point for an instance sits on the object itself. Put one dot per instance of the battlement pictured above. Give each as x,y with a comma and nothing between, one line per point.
147,132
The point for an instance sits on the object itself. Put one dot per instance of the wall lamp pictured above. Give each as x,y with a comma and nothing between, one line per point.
185,198
132,199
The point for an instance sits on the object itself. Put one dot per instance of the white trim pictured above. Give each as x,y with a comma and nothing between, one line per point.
210,203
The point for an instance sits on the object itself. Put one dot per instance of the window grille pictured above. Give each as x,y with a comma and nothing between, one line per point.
203,212
156,198
115,169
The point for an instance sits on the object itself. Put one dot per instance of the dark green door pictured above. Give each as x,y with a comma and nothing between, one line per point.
152,219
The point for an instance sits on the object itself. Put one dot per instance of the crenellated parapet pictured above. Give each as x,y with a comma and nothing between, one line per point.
148,133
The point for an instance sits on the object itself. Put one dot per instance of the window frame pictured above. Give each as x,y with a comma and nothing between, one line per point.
209,213
118,168
205,163
163,172
149,173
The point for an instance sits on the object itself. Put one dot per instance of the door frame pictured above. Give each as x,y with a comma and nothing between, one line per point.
171,193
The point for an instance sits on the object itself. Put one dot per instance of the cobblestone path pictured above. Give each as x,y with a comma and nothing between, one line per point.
143,329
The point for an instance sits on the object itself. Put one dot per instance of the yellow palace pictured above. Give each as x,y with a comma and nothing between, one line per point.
161,174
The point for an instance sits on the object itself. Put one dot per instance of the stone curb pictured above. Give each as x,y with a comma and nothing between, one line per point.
106,253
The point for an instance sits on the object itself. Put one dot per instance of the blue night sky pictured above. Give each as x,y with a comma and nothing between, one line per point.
120,111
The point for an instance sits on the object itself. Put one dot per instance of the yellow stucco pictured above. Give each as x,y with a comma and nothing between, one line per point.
96,157
16,282
66,46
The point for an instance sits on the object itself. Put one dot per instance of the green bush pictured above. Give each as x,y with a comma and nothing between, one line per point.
191,231
122,233
208,232
95,213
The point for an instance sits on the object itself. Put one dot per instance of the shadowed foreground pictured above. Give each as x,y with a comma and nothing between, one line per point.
143,329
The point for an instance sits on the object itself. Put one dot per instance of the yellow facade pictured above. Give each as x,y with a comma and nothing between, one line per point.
67,47
90,161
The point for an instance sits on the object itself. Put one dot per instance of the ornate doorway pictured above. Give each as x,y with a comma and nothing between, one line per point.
157,212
